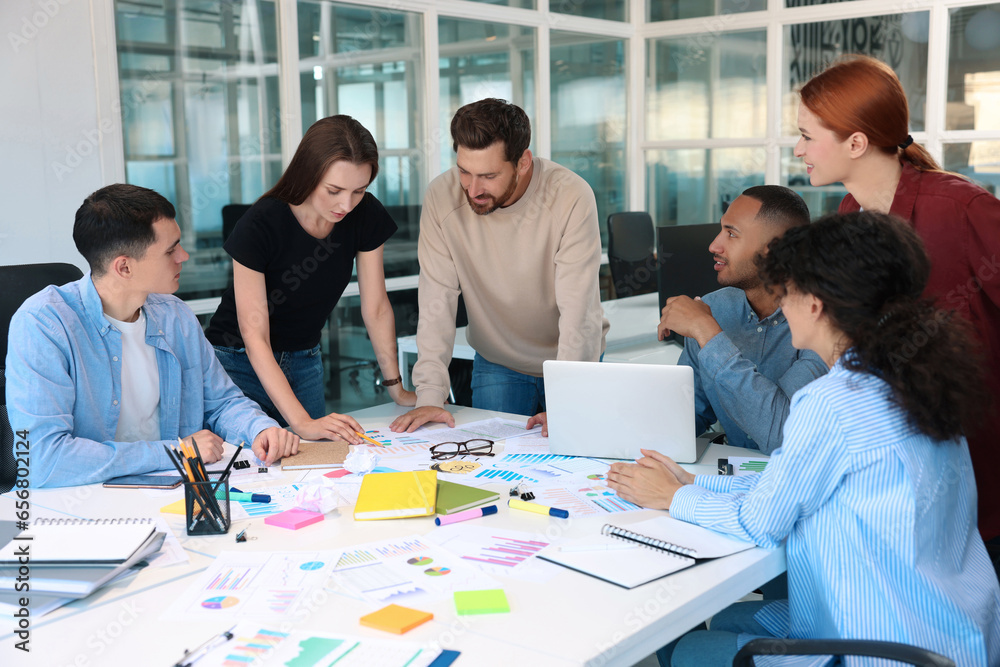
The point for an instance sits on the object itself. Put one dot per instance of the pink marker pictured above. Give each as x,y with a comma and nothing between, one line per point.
474,513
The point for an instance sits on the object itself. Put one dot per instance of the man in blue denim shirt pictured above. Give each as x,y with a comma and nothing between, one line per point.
737,340
104,371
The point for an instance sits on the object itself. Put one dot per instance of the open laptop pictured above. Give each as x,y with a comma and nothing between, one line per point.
609,410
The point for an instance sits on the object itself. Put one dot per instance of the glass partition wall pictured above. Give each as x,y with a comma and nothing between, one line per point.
673,107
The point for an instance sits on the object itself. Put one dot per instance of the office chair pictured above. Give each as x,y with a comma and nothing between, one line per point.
19,282
631,253
231,214
840,647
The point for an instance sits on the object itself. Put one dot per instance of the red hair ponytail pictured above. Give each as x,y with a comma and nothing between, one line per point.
861,94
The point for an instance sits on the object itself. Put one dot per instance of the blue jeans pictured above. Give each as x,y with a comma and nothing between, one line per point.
302,368
496,387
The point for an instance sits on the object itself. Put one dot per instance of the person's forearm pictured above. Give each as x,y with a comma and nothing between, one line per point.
64,460
704,417
581,318
756,404
381,325
435,343
578,262
274,381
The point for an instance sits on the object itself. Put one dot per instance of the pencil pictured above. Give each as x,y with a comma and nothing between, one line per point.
225,473
203,473
196,472
365,437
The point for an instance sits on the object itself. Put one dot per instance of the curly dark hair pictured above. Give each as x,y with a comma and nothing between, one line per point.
869,270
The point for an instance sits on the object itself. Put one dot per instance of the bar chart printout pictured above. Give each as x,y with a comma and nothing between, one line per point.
238,584
264,647
583,499
506,551
492,550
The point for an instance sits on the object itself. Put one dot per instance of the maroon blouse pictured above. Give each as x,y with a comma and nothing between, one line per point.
959,223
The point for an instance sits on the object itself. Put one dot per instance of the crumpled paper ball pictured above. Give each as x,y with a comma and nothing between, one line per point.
361,460
318,498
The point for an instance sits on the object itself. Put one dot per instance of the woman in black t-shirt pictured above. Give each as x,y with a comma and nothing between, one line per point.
293,254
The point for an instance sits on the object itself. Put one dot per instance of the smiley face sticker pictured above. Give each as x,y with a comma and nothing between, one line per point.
456,467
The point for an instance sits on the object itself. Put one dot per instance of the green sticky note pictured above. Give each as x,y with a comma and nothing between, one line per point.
492,601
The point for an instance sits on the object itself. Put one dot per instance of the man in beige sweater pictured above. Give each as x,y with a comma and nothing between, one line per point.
518,237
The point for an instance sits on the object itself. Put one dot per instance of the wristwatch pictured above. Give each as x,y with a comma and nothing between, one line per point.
389,383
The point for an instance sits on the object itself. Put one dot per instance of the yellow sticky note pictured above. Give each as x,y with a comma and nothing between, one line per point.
395,618
177,507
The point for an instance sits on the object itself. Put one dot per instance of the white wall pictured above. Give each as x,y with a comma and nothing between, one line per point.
60,133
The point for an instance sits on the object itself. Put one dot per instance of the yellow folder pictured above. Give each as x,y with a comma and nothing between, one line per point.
396,495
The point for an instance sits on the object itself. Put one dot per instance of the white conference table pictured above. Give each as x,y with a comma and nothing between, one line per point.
631,338
573,619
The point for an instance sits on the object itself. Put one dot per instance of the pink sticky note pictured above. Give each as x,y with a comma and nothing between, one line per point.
293,519
335,474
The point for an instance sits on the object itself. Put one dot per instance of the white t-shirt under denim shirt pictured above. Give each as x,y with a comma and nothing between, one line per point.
140,408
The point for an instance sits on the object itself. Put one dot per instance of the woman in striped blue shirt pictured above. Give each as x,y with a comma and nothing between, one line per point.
872,491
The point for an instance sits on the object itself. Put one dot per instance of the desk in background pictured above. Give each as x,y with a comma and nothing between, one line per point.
631,338
572,619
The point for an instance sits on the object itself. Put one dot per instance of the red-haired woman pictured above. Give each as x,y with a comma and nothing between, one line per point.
293,254
854,124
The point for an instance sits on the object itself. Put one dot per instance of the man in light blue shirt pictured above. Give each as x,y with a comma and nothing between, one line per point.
736,339
103,371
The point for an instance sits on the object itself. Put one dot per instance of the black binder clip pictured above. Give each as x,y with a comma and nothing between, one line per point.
520,491
241,465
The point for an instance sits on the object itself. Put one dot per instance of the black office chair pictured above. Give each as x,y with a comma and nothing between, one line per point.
632,253
840,647
19,282
231,214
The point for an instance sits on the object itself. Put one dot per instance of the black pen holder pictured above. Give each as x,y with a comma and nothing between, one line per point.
204,513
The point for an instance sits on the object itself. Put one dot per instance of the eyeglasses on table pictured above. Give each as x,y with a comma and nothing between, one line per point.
474,447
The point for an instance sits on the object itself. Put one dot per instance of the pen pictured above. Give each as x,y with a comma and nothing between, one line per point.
611,546
474,513
241,497
190,657
365,437
517,504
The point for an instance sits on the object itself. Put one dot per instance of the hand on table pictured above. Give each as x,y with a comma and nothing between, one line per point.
541,418
417,417
209,445
689,317
333,426
650,482
275,443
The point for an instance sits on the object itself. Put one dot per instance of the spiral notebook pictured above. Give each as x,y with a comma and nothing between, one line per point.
660,546
78,541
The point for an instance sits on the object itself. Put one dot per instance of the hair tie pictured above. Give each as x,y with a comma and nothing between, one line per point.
906,143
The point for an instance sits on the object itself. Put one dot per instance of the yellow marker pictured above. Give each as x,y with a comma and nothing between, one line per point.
516,504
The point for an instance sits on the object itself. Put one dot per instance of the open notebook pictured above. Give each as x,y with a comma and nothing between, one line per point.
649,550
